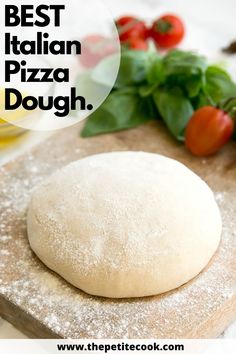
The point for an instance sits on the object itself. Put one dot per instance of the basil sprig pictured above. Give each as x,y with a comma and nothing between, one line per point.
150,87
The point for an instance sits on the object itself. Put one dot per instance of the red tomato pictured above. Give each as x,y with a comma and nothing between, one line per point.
94,49
129,27
137,44
208,130
167,31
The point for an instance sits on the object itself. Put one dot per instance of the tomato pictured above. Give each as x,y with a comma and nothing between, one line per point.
137,44
130,27
94,49
208,130
167,32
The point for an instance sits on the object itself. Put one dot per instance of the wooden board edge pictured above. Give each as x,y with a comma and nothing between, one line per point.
32,328
217,324
24,321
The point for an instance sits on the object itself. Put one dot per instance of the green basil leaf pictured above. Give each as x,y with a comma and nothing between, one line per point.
89,89
133,67
219,85
121,110
147,90
105,72
155,70
179,62
191,85
175,109
202,100
185,70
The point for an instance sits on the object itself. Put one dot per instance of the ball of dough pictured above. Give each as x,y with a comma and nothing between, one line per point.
124,224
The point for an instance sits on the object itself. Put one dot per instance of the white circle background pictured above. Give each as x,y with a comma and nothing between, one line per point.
80,18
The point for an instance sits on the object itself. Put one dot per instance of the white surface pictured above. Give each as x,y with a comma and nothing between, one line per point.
198,20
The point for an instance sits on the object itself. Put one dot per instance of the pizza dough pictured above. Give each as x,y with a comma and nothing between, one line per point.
124,224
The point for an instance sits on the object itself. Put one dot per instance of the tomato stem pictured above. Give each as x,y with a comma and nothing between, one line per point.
227,105
163,26
232,113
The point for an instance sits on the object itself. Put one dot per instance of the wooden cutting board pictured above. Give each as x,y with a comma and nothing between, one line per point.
43,305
